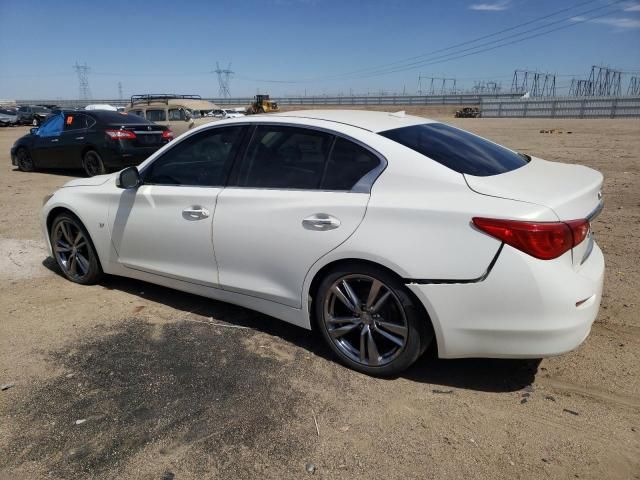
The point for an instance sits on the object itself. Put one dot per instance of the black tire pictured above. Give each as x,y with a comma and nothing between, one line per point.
402,312
85,268
92,164
25,160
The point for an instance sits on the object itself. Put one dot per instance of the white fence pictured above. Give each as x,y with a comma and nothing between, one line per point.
588,107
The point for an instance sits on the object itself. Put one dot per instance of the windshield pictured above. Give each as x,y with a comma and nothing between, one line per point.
459,150
120,118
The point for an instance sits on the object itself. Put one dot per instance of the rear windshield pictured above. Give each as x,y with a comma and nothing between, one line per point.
120,118
457,149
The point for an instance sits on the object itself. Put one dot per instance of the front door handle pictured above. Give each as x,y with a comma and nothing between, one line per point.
321,222
195,212
79,138
55,140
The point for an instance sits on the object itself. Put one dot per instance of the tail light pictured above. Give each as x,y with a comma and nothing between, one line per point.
167,134
120,134
543,240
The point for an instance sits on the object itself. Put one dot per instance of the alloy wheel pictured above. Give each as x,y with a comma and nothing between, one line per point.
71,249
365,320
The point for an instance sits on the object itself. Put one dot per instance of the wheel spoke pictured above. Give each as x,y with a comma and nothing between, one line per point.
82,262
61,247
363,338
392,338
393,328
341,331
374,356
73,265
78,238
65,232
81,244
334,320
378,305
338,293
373,292
352,295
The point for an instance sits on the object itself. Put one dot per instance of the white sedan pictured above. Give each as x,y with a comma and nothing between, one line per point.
384,232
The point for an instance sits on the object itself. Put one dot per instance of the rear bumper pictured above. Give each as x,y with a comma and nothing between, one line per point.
525,308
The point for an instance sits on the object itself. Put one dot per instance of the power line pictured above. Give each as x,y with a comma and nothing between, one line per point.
377,71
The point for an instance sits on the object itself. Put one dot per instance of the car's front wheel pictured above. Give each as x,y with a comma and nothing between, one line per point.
73,250
92,164
370,320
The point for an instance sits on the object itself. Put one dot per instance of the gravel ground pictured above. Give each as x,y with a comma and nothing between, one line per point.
130,380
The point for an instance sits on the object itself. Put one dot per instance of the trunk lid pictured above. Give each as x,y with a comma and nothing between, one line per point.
572,191
146,135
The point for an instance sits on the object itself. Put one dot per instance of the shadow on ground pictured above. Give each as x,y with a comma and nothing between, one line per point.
180,391
488,375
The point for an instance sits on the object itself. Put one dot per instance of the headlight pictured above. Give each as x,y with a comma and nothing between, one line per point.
46,199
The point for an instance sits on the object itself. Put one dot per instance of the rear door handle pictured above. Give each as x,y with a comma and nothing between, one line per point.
55,140
321,222
195,212
79,138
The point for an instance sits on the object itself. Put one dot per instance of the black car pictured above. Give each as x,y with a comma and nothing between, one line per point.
95,140
32,115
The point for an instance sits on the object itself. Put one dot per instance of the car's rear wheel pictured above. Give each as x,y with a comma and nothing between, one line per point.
93,164
73,250
25,160
370,320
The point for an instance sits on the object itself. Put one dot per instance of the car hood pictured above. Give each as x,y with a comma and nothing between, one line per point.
89,181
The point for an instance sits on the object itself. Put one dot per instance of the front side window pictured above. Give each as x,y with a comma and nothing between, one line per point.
285,157
52,127
156,115
200,160
456,149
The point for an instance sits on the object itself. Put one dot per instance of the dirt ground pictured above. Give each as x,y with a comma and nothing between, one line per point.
130,380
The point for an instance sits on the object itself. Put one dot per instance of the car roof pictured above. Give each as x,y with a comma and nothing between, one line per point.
365,119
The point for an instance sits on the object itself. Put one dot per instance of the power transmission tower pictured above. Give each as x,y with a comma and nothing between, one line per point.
83,80
436,85
634,86
120,90
535,83
605,82
224,75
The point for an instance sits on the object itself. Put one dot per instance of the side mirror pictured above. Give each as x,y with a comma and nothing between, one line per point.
128,178
34,131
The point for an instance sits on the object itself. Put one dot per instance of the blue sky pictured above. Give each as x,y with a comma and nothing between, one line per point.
300,46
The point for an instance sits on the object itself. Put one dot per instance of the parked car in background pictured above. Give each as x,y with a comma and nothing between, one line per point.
387,232
101,106
8,117
179,112
227,113
96,141
32,115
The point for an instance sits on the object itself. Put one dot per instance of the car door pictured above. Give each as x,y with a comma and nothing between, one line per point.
46,152
164,227
288,204
72,140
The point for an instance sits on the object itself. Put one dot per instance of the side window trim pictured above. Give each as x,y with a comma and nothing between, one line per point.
363,185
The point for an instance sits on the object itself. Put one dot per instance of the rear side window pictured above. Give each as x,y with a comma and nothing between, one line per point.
176,114
459,150
285,157
75,121
348,163
156,115
201,160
